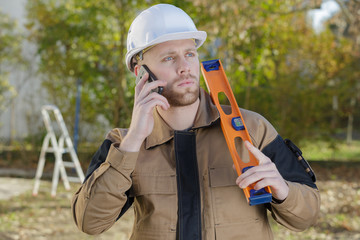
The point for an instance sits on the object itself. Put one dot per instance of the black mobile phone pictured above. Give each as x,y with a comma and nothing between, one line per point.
143,69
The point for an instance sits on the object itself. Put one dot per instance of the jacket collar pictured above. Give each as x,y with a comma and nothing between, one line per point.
206,115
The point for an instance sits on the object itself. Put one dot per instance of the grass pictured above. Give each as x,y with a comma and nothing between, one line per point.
44,217
339,151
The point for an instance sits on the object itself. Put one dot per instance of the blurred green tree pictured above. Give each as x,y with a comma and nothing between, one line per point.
85,39
276,63
345,26
10,55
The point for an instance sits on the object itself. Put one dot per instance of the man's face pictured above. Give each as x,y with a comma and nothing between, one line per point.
177,63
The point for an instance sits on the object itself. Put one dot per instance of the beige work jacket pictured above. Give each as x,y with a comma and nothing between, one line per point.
148,179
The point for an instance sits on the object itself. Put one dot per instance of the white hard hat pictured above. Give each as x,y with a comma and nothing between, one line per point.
157,24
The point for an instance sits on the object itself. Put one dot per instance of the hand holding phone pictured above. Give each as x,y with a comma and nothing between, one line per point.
144,69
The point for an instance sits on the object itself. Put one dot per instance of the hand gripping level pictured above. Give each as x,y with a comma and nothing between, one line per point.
233,126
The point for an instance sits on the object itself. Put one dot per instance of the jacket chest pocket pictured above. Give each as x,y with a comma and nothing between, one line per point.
147,183
155,202
228,200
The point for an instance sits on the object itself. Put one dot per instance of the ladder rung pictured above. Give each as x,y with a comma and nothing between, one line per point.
68,164
74,179
51,150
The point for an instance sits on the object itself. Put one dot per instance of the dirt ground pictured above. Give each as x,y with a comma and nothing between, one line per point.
27,217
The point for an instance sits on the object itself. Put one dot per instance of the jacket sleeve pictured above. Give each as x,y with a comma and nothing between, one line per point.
104,194
301,208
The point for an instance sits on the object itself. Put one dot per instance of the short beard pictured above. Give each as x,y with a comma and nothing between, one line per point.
177,99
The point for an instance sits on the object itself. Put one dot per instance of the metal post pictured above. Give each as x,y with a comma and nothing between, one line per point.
77,113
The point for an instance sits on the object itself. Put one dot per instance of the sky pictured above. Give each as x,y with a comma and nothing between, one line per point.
319,16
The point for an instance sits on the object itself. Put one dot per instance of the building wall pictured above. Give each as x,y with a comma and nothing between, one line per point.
22,116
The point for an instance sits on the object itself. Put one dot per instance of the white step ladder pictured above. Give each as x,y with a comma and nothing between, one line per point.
57,148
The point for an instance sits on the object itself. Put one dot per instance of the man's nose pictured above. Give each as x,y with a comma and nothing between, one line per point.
184,66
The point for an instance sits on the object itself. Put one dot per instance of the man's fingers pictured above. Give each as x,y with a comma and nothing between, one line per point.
146,88
155,98
248,178
141,84
257,153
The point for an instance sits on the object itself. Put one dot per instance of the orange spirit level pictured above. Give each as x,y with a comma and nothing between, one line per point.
233,126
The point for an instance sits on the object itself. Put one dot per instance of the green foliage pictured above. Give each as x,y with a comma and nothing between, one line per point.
277,65
10,54
81,39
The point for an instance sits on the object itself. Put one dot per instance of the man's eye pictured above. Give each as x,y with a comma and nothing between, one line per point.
168,58
190,54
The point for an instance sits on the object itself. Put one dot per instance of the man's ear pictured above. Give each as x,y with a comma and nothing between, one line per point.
136,69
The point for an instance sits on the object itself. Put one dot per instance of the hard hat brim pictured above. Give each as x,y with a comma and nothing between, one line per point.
199,36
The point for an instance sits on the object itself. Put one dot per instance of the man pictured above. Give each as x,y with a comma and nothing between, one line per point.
173,164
